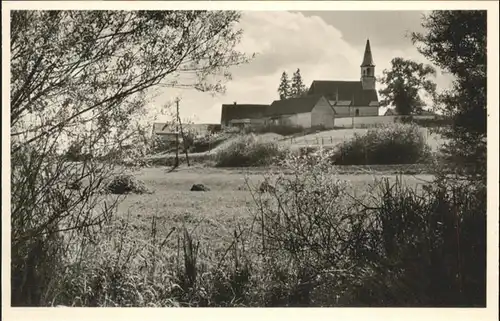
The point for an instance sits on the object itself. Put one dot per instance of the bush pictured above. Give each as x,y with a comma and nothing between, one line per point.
395,144
207,143
125,184
425,249
248,150
284,130
397,246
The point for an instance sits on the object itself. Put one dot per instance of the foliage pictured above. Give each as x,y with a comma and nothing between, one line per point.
208,142
125,184
53,202
293,88
456,42
278,129
248,150
284,87
75,153
394,144
425,248
297,87
80,78
405,81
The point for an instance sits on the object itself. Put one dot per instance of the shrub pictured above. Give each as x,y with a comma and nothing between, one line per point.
284,130
395,144
396,246
425,248
46,217
248,150
125,184
308,229
208,142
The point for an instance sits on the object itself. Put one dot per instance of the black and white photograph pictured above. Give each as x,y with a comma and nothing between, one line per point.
231,156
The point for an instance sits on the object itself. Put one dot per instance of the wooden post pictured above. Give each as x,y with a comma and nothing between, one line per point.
177,135
182,133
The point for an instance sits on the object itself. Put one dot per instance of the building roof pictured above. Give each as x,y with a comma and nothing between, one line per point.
293,105
242,111
367,58
343,91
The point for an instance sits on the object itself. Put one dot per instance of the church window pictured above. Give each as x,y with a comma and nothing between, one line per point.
357,112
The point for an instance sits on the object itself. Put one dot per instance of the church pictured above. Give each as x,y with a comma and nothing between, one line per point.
352,98
325,101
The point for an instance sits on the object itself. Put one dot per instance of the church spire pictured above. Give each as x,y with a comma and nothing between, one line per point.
367,58
368,69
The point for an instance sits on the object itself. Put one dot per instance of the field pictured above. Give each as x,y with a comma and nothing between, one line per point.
337,136
213,214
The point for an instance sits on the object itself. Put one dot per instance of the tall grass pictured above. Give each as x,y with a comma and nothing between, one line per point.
311,242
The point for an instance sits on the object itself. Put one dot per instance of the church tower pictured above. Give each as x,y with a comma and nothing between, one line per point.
368,69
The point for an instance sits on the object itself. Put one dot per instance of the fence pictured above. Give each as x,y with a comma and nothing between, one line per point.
367,121
335,137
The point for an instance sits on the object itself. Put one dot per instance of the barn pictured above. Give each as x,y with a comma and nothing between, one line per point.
308,111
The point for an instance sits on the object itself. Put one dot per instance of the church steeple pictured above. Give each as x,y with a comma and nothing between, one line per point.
367,58
368,68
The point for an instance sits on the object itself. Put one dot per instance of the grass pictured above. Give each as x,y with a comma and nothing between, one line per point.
213,213
338,136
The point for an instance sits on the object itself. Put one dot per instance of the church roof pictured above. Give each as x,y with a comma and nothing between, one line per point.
242,111
293,105
344,91
367,58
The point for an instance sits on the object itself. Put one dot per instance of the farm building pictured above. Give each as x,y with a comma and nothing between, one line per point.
325,101
306,112
242,115
352,98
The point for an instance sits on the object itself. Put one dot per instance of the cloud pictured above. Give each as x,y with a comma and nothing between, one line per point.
285,41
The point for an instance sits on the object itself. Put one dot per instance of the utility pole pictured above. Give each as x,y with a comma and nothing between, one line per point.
177,134
179,122
350,110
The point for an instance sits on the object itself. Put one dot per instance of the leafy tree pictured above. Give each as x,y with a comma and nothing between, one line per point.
284,87
405,82
82,78
456,42
298,88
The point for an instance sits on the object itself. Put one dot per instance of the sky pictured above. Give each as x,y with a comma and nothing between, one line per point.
325,45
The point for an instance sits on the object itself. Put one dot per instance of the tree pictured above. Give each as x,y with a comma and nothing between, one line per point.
284,87
82,78
298,88
456,42
405,82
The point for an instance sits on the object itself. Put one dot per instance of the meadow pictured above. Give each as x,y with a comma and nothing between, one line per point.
213,215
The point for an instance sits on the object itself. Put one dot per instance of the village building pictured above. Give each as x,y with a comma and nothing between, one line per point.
352,98
308,111
243,115
324,101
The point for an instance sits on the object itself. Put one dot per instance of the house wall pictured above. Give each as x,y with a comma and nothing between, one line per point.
322,114
351,111
371,120
302,120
